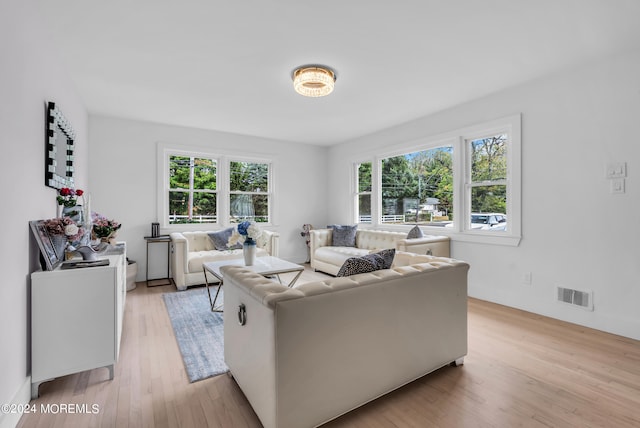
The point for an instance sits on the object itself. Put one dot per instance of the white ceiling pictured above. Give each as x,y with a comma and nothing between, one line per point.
225,65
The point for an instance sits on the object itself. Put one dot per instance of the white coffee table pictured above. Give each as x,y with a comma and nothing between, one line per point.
266,266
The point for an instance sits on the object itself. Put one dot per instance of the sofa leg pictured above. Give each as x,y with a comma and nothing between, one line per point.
457,362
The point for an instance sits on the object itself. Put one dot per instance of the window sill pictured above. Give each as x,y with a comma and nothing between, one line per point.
487,238
492,238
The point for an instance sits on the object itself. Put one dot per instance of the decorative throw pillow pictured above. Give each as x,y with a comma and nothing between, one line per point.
387,257
369,263
415,232
356,265
343,235
220,239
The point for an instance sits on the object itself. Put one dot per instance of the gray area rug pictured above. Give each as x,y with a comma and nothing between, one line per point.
199,332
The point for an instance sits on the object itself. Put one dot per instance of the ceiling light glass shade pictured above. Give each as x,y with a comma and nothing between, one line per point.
314,81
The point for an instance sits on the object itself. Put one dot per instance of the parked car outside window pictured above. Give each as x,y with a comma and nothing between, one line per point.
488,221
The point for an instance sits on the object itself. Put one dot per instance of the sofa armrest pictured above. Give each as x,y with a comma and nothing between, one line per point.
179,262
318,238
429,244
270,241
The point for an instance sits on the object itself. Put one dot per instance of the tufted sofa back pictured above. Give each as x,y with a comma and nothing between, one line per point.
198,241
268,292
365,239
377,239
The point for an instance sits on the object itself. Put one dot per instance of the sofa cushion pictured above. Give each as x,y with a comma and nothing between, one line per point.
369,263
337,255
415,232
220,239
343,235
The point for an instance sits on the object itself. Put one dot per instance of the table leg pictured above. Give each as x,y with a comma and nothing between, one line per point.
146,273
295,278
213,305
212,302
293,281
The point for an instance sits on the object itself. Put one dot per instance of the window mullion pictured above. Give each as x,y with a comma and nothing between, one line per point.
224,191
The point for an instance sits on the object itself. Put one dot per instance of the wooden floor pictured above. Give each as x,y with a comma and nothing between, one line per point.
522,370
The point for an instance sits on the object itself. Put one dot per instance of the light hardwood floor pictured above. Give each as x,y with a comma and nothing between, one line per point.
522,370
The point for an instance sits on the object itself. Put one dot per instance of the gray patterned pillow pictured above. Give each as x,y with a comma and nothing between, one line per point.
343,235
415,232
221,238
386,256
369,263
356,265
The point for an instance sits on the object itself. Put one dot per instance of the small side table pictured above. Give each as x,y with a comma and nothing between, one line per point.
166,239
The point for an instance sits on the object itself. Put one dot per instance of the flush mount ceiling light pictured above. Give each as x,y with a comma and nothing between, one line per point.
313,80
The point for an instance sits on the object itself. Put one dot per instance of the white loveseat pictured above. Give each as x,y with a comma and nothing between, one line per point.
309,354
191,249
327,258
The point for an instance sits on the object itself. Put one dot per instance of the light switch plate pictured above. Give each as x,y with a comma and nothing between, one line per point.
617,185
616,170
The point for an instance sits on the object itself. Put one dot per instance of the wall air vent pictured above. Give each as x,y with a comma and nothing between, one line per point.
579,298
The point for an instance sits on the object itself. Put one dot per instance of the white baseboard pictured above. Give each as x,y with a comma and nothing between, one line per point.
23,396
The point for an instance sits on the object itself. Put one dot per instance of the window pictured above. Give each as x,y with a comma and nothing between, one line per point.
491,182
197,187
249,194
417,187
465,183
192,190
363,192
487,183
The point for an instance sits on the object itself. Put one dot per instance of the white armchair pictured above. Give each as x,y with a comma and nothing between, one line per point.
189,250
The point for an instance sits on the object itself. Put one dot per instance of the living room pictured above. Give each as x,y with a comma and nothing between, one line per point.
575,231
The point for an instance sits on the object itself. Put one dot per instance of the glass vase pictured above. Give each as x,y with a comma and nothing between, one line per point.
74,212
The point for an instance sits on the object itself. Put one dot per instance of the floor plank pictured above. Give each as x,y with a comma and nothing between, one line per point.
522,370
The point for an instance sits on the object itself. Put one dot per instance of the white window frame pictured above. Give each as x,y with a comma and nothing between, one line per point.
511,125
223,159
357,193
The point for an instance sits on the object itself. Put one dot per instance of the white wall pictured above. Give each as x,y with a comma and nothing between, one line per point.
123,181
30,75
575,232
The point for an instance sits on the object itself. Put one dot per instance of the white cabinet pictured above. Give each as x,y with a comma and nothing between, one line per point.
76,319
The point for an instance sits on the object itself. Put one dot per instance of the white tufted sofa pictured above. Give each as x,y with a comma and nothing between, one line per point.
329,259
309,354
189,250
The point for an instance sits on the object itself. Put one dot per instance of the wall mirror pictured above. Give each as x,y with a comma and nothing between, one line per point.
59,149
